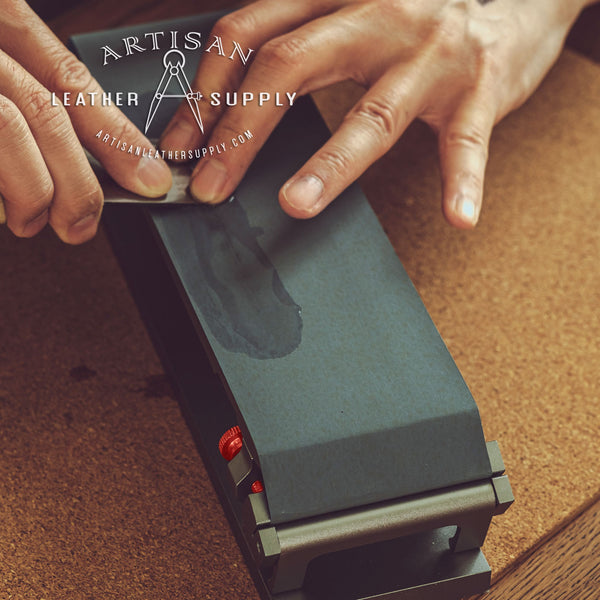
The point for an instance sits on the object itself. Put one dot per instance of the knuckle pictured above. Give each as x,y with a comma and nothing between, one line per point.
89,201
417,25
11,69
479,53
40,196
472,138
70,75
453,37
336,160
472,179
123,129
37,199
457,40
46,195
43,196
409,12
40,114
184,113
15,12
70,210
490,66
228,129
10,117
284,52
379,117
235,25
450,41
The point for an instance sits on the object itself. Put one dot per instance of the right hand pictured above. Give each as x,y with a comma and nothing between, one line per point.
45,176
458,65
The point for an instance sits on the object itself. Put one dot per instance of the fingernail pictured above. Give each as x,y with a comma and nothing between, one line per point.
36,225
304,193
179,136
466,208
83,225
209,181
154,175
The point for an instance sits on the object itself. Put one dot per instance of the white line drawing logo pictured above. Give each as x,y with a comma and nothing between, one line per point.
174,61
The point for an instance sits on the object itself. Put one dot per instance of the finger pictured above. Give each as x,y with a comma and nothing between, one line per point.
25,182
250,27
59,71
463,146
77,202
321,53
367,132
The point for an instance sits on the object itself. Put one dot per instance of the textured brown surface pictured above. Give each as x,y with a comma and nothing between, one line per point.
517,300
566,568
102,494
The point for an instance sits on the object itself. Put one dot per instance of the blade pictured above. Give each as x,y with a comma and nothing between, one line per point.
115,194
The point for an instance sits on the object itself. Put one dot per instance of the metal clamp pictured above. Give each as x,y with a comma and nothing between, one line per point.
285,553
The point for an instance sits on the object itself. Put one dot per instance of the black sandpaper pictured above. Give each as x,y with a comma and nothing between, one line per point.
342,384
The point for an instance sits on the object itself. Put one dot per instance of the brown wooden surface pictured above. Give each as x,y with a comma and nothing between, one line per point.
566,567
102,494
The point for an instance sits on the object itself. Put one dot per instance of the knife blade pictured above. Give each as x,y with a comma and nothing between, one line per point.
115,194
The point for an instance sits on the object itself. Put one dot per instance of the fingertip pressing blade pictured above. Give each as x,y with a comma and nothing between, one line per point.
115,194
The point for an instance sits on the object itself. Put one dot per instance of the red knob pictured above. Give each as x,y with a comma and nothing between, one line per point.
257,487
231,443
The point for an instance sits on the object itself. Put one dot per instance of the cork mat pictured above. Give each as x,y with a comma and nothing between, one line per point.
102,493
517,300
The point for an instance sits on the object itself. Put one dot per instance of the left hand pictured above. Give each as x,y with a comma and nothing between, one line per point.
459,65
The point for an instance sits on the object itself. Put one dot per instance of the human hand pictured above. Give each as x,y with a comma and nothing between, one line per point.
459,65
44,173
